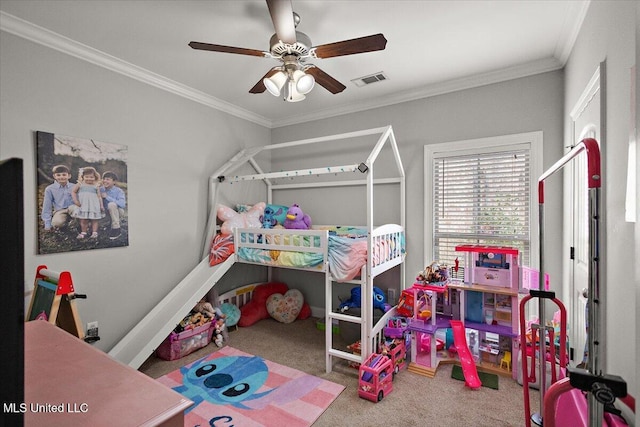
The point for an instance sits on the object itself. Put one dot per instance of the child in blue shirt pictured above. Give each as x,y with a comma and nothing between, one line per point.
114,201
57,204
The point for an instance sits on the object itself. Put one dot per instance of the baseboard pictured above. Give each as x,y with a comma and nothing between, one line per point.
317,311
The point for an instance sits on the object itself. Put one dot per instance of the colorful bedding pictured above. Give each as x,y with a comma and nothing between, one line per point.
281,258
347,251
346,256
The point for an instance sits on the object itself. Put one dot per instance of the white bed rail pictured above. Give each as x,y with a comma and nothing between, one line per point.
282,239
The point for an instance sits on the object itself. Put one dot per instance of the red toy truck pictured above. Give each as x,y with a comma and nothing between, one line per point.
375,377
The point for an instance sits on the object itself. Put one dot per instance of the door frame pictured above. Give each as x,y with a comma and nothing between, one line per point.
595,87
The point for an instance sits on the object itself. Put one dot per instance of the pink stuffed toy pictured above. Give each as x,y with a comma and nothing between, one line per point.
233,219
296,219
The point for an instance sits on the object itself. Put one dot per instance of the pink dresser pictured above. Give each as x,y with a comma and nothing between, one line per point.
70,383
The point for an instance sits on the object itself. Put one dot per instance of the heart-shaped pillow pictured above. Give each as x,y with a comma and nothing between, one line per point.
285,308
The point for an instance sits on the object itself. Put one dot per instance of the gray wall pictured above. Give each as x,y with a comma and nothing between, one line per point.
609,33
174,145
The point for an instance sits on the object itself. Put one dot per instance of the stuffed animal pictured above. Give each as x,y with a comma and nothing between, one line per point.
205,308
198,319
296,219
269,218
219,329
233,219
379,300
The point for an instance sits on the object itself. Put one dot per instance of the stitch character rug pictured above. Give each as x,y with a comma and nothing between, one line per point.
230,387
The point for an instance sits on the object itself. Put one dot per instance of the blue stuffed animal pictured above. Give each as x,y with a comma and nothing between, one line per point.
379,300
269,216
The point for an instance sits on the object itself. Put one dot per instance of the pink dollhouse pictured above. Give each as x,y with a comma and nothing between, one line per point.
486,303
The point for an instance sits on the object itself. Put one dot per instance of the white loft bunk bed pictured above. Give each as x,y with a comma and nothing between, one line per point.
385,248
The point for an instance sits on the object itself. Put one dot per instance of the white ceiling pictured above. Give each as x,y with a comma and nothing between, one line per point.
433,46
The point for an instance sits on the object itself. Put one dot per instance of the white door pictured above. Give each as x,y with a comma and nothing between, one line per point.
586,124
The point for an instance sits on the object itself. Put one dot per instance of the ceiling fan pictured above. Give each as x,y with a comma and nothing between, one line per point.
296,77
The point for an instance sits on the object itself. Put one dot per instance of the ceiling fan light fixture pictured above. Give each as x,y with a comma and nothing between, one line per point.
275,83
304,82
291,94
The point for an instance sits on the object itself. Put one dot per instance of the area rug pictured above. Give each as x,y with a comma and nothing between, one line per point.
488,380
230,387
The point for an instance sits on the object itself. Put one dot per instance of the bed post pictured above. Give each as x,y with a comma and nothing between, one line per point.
328,320
403,199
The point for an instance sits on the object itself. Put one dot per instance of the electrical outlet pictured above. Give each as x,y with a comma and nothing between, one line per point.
92,329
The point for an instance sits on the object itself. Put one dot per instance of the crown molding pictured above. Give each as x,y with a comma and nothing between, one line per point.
29,31
454,85
571,29
34,33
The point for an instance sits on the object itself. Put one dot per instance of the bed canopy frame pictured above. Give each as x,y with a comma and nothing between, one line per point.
370,333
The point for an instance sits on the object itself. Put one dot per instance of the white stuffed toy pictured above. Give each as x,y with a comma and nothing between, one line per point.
219,330
233,219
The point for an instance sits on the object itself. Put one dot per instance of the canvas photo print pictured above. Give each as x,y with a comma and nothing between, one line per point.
82,194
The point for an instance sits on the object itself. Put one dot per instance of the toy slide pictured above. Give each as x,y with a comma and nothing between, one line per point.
471,378
149,333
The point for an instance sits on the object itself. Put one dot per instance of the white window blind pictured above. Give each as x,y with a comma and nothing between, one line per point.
481,197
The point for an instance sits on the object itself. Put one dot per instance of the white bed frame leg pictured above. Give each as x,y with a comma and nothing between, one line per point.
328,321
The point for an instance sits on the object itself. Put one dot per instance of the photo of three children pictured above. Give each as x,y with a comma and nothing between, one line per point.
89,213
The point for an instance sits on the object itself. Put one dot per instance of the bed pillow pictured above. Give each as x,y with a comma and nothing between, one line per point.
256,309
232,219
221,249
285,308
305,313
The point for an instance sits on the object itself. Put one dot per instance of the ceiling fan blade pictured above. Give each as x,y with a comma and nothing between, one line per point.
259,87
325,80
226,49
281,13
351,47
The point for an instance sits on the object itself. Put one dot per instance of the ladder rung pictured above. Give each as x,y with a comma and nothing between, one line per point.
344,355
345,317
352,282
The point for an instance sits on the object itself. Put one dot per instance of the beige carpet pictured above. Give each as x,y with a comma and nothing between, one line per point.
415,400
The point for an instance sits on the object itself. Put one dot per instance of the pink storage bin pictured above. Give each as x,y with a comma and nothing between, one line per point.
178,345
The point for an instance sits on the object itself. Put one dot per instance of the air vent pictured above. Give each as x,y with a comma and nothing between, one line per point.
367,80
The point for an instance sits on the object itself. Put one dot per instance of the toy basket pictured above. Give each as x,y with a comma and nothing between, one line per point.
178,345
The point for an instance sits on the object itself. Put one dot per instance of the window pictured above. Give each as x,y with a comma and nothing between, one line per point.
482,191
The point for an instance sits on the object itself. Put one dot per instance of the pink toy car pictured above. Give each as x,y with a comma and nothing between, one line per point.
375,378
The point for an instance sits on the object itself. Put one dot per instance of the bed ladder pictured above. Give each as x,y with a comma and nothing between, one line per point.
330,315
